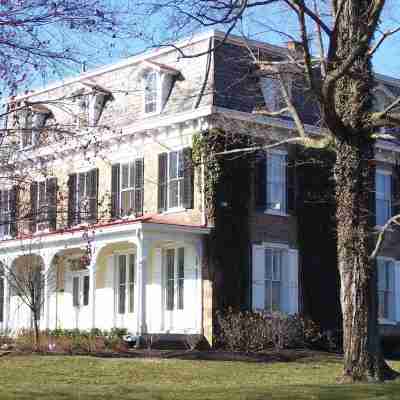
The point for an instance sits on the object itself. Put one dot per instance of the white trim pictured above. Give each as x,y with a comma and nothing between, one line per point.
275,245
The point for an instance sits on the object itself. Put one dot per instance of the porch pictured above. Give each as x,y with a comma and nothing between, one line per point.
144,277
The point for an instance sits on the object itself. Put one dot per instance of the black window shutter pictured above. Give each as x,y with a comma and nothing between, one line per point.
115,191
14,211
291,181
260,181
162,181
34,207
188,174
93,188
72,199
51,197
139,185
395,190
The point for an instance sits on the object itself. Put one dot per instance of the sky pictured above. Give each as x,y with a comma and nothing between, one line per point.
271,27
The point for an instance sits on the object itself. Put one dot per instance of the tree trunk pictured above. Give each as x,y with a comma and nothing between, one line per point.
37,330
363,359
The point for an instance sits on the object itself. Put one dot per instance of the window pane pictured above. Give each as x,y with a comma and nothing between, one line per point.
181,277
267,295
174,194
170,279
181,164
132,174
131,280
276,182
122,284
173,164
85,290
125,176
75,291
127,202
268,264
276,296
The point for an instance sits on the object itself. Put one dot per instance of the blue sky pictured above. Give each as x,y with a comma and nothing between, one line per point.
100,52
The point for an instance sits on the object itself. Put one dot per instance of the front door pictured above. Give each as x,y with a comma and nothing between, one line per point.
125,291
80,299
173,288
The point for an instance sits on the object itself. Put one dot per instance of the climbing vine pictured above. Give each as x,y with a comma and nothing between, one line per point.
226,187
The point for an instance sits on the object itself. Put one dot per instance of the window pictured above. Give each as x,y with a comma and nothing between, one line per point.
386,289
174,278
275,277
150,92
27,133
383,197
276,182
82,197
175,181
80,290
175,178
33,122
272,283
1,294
5,212
43,205
131,197
126,283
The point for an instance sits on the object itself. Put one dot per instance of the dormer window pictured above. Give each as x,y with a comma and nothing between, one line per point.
90,105
157,81
150,92
35,121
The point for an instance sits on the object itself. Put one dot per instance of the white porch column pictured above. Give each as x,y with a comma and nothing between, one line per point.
92,291
143,251
45,322
6,309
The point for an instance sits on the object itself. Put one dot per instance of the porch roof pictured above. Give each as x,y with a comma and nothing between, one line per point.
102,231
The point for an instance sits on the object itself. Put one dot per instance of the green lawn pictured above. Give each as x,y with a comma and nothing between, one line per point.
56,377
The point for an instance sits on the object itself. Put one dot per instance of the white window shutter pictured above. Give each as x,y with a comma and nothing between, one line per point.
293,280
258,288
397,291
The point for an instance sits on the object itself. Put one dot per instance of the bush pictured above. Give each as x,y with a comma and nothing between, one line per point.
257,331
72,341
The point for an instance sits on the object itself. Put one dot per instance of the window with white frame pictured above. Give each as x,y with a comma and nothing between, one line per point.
273,278
174,278
131,196
276,182
5,212
151,91
126,283
27,132
386,289
86,199
383,183
80,289
175,178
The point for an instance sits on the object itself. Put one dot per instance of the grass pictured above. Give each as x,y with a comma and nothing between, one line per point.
86,378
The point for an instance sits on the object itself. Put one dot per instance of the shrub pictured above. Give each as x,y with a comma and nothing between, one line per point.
256,331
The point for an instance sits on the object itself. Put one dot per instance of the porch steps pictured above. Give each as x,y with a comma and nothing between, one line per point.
171,341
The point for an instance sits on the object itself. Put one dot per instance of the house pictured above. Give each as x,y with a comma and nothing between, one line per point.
115,212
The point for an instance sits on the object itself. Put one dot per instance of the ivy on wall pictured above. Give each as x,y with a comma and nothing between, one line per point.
226,187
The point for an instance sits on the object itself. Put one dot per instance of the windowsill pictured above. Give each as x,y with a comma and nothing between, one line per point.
383,321
275,212
174,210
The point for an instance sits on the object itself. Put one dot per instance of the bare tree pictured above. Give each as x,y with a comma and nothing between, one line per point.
346,34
